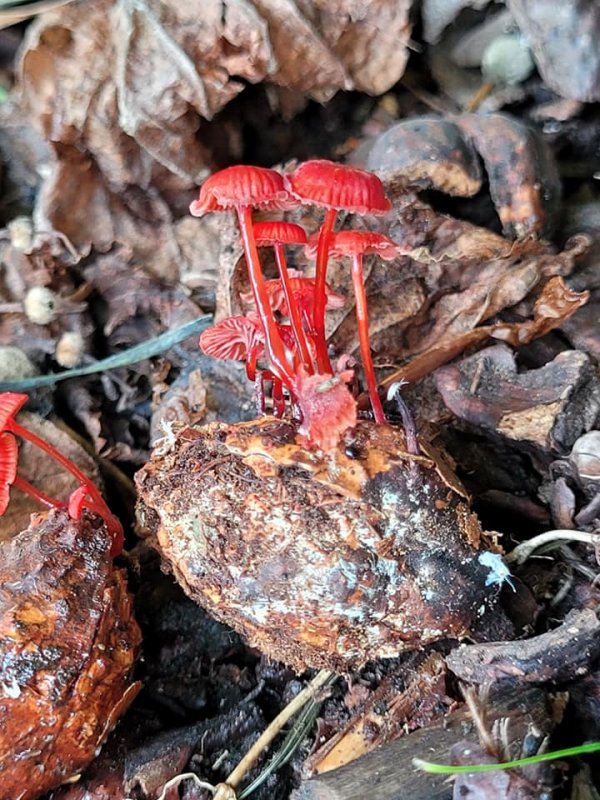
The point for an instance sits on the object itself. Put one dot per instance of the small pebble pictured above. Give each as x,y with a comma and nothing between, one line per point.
585,456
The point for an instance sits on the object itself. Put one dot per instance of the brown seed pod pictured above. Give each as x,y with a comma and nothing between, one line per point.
68,642
319,560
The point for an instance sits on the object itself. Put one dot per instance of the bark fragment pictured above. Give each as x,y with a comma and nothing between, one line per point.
68,643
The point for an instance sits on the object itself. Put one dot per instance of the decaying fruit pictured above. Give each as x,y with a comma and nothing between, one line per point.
68,643
319,559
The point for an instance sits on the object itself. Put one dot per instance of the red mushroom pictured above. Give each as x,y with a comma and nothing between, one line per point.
240,188
336,187
303,289
355,244
236,338
277,234
9,457
10,405
242,339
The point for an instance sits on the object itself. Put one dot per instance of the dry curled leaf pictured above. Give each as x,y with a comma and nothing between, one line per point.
128,148
548,407
431,152
68,642
555,304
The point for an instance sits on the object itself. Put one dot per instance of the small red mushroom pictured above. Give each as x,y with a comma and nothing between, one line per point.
355,244
237,338
10,404
335,187
242,339
277,234
240,188
303,289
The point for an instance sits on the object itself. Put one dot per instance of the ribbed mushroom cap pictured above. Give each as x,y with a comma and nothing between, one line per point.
232,338
10,404
355,243
325,183
303,289
9,454
239,186
268,233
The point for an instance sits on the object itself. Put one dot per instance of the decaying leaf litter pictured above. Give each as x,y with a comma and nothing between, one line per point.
491,317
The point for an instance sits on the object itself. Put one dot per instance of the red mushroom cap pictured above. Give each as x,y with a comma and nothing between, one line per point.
268,233
10,405
240,186
355,243
9,453
303,289
304,292
232,338
338,186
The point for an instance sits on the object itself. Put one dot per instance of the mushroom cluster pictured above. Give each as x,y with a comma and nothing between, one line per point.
295,356
326,540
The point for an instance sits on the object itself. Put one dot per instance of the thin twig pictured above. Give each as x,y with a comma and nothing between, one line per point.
224,790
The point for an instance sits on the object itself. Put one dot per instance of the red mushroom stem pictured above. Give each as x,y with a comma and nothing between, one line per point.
277,397
41,497
323,362
362,317
251,363
293,310
274,347
112,523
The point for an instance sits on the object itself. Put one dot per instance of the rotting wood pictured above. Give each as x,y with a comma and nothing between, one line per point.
388,773
561,655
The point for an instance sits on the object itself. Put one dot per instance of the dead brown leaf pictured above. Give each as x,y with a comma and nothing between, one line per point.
548,407
185,403
133,296
127,146
555,304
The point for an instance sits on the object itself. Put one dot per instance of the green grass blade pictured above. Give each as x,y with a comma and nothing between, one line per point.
139,352
449,769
